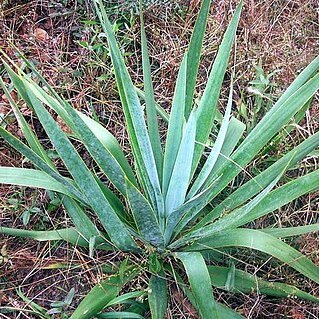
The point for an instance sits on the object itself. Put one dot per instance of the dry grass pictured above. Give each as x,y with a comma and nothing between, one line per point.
282,34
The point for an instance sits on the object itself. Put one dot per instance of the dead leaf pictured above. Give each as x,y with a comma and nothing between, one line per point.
63,126
296,314
41,34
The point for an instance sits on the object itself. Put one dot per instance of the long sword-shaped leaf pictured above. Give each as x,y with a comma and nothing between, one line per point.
246,283
179,181
225,222
36,178
86,181
100,296
209,100
152,122
27,132
81,221
234,133
70,235
194,51
40,163
282,196
215,152
157,296
252,187
248,150
101,154
120,314
136,126
175,126
111,146
263,242
263,204
160,111
291,231
200,283
144,216
32,178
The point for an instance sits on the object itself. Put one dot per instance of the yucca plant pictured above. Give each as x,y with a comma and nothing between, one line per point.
174,216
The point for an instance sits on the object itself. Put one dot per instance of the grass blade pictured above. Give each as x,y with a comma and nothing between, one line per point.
199,280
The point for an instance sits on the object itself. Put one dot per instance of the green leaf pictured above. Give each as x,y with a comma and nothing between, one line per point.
32,178
262,133
99,151
209,100
110,143
246,283
179,181
291,231
228,221
175,126
254,185
152,122
136,126
27,132
234,132
210,162
120,315
157,295
199,280
160,111
97,299
40,163
223,311
144,216
81,221
70,235
125,297
255,239
282,196
85,180
194,52
103,293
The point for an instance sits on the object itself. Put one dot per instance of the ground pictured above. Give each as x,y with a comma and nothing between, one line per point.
62,39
